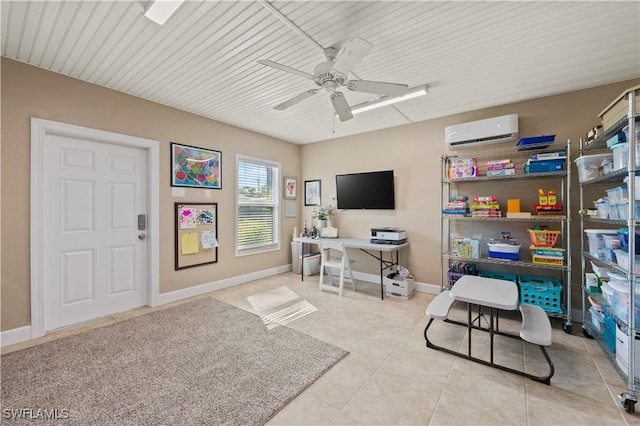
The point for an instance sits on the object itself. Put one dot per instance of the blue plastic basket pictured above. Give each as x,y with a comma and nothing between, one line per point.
609,335
499,276
541,291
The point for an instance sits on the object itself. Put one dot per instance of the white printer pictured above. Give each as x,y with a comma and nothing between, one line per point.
393,236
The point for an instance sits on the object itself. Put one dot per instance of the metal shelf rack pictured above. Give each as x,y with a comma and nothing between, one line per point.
628,324
563,220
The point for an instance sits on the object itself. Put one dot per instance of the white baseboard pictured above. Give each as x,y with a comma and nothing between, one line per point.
218,285
15,335
22,334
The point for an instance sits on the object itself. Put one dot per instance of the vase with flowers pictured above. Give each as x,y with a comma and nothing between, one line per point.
322,214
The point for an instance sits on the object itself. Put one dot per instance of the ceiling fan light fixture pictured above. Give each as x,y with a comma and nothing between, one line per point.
159,11
388,100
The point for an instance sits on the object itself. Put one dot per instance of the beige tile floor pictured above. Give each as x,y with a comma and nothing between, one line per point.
391,378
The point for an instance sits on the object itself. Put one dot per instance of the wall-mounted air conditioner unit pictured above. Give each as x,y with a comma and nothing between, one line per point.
481,132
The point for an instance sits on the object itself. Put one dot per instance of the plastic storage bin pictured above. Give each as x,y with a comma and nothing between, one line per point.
597,319
617,195
623,234
543,237
621,155
504,251
609,334
499,276
607,292
590,166
541,291
622,352
596,242
622,257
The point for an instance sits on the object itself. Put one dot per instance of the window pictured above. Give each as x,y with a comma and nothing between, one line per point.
257,203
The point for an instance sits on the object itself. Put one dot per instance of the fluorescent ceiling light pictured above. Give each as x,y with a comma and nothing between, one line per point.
161,10
386,100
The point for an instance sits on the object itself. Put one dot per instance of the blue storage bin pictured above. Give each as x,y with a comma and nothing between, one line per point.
542,166
499,276
541,291
624,240
609,335
535,142
502,255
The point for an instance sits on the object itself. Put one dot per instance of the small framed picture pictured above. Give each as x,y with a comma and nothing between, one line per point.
312,192
290,189
195,167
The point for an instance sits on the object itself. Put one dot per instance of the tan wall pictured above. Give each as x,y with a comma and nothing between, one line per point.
32,92
413,151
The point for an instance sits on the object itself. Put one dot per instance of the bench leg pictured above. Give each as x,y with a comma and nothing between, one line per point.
542,379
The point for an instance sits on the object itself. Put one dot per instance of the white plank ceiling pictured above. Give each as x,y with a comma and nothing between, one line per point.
203,60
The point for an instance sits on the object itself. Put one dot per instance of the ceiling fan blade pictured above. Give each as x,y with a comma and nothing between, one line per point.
377,87
291,102
286,68
341,106
353,53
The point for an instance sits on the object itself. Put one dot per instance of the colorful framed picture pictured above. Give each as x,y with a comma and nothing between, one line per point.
195,167
290,188
312,192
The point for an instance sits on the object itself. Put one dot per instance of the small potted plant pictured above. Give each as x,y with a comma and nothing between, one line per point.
322,215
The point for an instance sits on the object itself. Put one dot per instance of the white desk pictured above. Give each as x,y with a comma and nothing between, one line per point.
366,246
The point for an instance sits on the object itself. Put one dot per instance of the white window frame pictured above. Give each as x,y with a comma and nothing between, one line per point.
276,206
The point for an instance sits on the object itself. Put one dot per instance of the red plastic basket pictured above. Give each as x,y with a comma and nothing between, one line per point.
543,237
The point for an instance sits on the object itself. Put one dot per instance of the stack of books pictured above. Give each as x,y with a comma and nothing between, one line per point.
457,205
485,207
501,168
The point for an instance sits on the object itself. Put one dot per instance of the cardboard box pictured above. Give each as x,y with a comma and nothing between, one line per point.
619,108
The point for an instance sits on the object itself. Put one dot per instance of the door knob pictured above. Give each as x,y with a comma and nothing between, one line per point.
142,236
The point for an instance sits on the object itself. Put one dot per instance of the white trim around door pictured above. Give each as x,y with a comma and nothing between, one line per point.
40,129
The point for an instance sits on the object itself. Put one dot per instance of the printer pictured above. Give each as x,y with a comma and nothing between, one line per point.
393,236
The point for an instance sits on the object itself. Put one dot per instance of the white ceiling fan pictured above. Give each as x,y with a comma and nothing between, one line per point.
332,74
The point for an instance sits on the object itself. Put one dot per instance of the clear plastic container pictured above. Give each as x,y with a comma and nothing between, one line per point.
596,242
603,210
613,211
611,241
590,166
621,155
618,195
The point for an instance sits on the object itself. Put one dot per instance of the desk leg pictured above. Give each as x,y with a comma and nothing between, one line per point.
381,277
491,310
469,326
302,261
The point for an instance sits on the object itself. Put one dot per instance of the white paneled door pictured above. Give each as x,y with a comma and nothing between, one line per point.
94,257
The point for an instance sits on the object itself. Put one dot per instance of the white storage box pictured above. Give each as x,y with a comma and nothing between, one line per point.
590,166
622,352
596,242
311,264
396,287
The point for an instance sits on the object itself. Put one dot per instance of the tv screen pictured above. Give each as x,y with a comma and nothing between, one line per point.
372,190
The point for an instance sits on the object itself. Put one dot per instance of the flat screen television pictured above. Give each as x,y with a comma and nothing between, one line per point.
371,190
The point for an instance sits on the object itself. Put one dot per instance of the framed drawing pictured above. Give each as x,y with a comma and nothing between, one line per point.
290,189
312,192
196,240
195,167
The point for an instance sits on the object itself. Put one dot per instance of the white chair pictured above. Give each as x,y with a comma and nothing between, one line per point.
330,261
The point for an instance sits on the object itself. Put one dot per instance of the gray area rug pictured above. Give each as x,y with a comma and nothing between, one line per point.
203,362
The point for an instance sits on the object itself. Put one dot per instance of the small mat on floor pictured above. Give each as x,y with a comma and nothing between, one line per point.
203,362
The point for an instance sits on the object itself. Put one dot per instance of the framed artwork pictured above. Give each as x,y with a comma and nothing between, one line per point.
196,240
195,167
290,189
312,192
